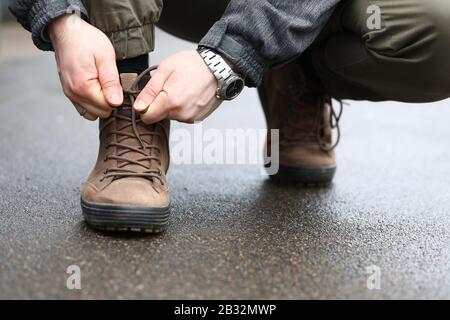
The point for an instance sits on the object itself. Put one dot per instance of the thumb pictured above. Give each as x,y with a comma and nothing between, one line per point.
108,76
151,90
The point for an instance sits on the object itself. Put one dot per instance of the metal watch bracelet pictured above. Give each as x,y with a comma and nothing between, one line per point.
220,69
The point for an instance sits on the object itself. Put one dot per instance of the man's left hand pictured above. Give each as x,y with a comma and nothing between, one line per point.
182,88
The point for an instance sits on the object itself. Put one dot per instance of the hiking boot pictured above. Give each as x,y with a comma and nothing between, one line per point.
295,103
127,190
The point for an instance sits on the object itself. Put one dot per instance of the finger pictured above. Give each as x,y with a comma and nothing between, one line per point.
158,110
79,108
108,76
152,90
98,112
89,116
93,111
94,96
87,92
84,113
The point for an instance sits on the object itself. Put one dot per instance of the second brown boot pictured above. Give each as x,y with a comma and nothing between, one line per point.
127,190
294,102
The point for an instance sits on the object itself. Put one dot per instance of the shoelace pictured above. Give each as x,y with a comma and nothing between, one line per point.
334,119
145,149
319,124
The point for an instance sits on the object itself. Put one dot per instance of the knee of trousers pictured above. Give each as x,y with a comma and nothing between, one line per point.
414,42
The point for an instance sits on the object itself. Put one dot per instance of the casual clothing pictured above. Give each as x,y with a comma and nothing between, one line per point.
405,60
128,24
272,32
34,15
260,34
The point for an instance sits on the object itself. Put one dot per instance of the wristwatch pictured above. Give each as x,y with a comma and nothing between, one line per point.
230,84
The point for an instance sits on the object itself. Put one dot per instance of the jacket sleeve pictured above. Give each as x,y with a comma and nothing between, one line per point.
35,15
259,34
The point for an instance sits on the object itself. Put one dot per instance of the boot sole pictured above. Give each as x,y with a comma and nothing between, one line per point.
308,176
125,218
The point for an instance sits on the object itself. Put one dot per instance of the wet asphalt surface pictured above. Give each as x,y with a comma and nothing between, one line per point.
233,234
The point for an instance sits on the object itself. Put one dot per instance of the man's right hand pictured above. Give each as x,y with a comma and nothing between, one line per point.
86,66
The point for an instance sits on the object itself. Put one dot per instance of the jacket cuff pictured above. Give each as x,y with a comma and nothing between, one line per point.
45,11
247,60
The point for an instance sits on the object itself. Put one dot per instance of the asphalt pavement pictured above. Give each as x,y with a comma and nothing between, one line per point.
233,234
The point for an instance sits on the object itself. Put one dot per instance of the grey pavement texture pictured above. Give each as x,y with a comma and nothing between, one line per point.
233,234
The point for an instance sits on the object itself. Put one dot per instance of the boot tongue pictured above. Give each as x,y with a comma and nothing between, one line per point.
127,80
125,125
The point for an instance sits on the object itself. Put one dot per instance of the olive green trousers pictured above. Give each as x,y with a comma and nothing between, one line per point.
370,50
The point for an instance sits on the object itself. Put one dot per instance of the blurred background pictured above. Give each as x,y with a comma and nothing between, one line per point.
233,234
14,42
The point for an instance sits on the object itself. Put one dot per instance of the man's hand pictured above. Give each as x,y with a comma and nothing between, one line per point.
86,66
182,88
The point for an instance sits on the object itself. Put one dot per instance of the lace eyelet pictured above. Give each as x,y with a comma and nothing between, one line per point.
105,159
105,171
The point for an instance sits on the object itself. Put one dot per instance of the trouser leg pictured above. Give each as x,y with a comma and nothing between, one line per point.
406,60
191,20
129,24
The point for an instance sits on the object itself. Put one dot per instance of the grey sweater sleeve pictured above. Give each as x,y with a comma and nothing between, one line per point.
35,15
259,34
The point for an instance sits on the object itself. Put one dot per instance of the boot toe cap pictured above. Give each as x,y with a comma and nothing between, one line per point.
128,192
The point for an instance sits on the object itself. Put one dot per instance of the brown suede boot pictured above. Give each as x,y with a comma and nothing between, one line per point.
127,190
295,103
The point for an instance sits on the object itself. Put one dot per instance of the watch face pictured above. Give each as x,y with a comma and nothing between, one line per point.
234,88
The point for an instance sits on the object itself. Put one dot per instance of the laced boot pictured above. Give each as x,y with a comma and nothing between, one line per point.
127,190
295,103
